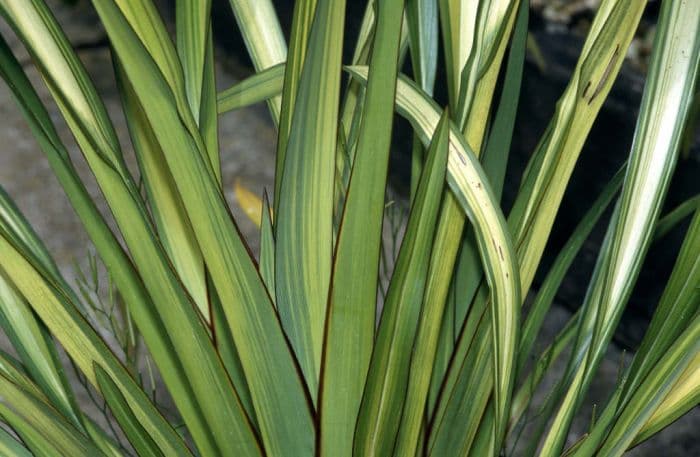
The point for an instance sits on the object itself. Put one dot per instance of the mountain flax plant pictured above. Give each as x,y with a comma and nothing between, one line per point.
282,354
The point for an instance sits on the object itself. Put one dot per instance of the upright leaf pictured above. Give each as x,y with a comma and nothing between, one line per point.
646,377
470,188
174,228
352,110
119,265
683,397
196,51
475,66
665,107
137,435
349,334
192,30
267,249
277,392
87,118
424,357
652,391
304,218
547,291
81,342
680,300
28,335
263,37
422,23
208,115
10,446
43,430
302,19
549,170
468,272
545,180
384,396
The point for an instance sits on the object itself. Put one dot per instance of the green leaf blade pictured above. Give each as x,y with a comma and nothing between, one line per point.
665,106
263,36
118,263
270,369
302,21
136,434
383,400
304,216
256,88
349,332
11,447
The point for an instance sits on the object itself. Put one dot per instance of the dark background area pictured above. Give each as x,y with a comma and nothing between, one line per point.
606,148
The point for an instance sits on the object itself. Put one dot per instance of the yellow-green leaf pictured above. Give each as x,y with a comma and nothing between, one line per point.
350,325
389,369
263,36
304,215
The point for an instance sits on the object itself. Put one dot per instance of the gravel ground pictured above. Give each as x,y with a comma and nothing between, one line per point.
247,144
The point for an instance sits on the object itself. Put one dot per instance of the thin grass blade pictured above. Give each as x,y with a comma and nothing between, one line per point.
683,210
